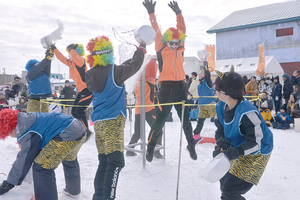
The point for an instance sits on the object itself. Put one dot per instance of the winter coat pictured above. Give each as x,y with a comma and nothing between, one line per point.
287,89
250,87
296,81
296,107
265,88
276,92
17,88
193,89
283,118
68,93
149,96
170,61
34,131
77,67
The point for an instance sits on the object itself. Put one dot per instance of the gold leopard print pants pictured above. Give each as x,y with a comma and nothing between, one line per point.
110,135
56,151
36,106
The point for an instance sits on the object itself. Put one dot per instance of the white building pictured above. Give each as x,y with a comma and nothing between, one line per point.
276,25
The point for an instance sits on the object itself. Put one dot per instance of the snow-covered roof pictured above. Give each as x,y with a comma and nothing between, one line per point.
259,16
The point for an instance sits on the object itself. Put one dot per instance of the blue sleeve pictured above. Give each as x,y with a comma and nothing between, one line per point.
29,148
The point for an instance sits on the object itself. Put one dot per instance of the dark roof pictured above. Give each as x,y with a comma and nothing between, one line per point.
259,16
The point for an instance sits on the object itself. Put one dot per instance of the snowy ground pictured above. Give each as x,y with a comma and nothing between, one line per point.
158,180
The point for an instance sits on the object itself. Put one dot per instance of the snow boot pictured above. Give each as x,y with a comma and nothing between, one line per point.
71,195
191,149
149,154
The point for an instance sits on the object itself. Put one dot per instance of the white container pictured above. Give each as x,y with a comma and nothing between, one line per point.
216,168
145,34
297,124
45,42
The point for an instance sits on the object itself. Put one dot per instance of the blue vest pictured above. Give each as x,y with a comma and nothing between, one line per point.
109,103
232,131
204,90
40,86
48,125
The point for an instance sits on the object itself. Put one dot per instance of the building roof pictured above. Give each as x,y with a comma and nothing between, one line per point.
259,16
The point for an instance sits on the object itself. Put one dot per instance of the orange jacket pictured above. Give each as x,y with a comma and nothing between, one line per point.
170,61
149,96
77,67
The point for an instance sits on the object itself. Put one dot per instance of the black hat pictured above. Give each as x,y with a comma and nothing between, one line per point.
17,78
67,81
283,107
276,77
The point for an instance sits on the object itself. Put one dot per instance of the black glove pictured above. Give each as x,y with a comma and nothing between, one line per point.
223,143
72,46
49,54
232,153
216,151
143,48
149,5
5,187
174,6
53,47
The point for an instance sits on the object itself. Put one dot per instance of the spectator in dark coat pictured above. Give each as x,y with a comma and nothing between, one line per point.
68,93
295,80
18,88
276,94
287,88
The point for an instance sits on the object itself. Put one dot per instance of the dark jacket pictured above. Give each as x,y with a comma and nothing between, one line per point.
68,93
287,89
276,92
296,81
20,87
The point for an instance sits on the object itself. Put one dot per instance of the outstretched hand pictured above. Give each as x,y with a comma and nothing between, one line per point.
174,6
149,5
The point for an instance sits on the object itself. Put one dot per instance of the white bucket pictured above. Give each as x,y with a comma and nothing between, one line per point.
203,55
45,42
216,168
145,34
297,124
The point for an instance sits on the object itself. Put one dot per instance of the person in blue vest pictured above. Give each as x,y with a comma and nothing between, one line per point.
242,135
46,140
38,74
205,90
106,81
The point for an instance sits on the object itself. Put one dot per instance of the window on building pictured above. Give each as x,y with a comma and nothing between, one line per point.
284,32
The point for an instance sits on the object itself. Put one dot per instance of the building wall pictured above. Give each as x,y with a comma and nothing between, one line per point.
244,43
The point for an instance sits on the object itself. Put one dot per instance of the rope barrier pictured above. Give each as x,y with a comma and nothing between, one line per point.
137,106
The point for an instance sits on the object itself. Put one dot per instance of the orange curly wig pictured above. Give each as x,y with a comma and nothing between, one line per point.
8,122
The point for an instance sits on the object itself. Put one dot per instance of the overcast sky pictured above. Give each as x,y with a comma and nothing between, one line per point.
24,23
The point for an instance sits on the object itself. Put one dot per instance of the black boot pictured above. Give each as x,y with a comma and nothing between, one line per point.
130,153
149,154
191,149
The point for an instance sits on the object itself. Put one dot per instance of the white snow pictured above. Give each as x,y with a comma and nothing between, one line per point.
158,180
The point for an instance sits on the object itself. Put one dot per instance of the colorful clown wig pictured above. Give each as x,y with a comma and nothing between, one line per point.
8,122
173,33
102,52
79,49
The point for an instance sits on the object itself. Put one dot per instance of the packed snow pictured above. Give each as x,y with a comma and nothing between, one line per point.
158,179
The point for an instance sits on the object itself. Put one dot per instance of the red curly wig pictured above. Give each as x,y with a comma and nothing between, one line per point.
8,122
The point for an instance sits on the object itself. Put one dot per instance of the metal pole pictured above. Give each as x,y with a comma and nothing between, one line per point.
180,144
142,118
